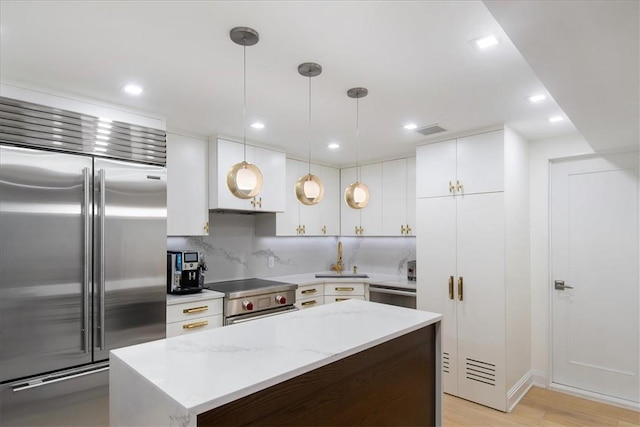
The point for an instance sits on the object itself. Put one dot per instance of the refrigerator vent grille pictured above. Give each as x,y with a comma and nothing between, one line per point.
445,362
482,372
38,126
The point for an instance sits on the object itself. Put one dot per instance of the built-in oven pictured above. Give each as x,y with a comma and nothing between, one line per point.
259,315
402,297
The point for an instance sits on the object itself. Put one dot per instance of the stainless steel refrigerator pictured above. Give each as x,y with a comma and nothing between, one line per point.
82,250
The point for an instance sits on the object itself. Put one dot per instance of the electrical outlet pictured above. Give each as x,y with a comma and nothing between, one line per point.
271,262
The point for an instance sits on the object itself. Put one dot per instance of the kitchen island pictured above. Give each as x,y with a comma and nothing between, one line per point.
364,364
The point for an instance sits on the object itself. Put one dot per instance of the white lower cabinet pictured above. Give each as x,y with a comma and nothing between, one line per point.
340,291
308,296
192,316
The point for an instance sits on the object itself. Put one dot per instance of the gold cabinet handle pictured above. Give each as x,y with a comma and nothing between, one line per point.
309,291
450,287
304,230
306,303
451,187
195,325
402,229
408,229
342,299
195,309
324,229
459,186
206,228
345,289
460,288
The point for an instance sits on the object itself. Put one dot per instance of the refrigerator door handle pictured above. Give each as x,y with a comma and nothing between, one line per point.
63,376
101,208
87,259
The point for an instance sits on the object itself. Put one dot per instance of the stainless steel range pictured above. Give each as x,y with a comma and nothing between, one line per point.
251,299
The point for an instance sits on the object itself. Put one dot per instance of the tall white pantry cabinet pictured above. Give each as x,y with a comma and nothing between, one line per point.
472,249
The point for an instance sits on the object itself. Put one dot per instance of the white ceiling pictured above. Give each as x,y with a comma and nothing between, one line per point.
414,57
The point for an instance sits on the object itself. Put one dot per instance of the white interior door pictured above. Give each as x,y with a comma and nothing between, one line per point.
594,251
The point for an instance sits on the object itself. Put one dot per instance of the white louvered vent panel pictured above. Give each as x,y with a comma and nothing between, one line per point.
445,362
483,372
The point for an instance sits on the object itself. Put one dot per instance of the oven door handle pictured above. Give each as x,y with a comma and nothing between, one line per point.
256,317
391,291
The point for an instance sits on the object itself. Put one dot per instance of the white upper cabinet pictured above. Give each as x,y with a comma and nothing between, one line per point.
224,154
322,219
481,163
367,221
469,165
187,198
399,197
329,221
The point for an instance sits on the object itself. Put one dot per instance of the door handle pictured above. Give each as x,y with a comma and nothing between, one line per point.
101,209
461,288
87,259
450,287
560,286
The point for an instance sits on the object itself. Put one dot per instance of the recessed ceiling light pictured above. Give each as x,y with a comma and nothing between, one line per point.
485,42
411,126
536,98
556,119
333,146
132,89
257,125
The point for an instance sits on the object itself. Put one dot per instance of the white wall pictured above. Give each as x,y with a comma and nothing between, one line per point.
541,152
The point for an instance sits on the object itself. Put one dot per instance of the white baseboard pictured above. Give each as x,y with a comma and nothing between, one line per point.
519,390
539,378
596,397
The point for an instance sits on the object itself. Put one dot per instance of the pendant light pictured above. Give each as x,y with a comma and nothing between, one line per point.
244,179
309,188
356,195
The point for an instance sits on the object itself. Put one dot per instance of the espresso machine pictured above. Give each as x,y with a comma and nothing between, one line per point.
185,272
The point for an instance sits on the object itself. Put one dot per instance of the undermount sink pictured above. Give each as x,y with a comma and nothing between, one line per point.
341,276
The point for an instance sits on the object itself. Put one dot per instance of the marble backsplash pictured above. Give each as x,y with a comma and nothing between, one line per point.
232,251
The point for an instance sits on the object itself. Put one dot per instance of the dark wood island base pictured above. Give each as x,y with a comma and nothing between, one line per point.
391,384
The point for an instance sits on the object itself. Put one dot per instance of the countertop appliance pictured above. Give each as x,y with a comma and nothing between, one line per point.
82,249
411,270
251,299
402,297
185,272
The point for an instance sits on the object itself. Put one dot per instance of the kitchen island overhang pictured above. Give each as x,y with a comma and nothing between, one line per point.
343,356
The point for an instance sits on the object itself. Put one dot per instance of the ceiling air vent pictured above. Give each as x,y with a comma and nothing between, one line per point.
430,130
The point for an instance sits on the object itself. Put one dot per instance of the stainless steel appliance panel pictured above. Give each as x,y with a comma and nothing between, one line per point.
44,261
130,254
392,296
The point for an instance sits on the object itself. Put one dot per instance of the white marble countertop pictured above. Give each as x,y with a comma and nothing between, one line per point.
203,295
373,279
201,371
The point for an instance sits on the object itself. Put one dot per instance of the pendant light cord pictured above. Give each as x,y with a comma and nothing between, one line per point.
357,138
244,108
309,123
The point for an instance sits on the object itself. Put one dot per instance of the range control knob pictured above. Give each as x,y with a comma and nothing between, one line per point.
247,305
280,299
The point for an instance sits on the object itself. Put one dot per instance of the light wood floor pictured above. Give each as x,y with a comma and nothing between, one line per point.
540,408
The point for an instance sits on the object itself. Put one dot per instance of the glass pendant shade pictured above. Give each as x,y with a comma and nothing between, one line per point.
309,189
244,180
356,196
